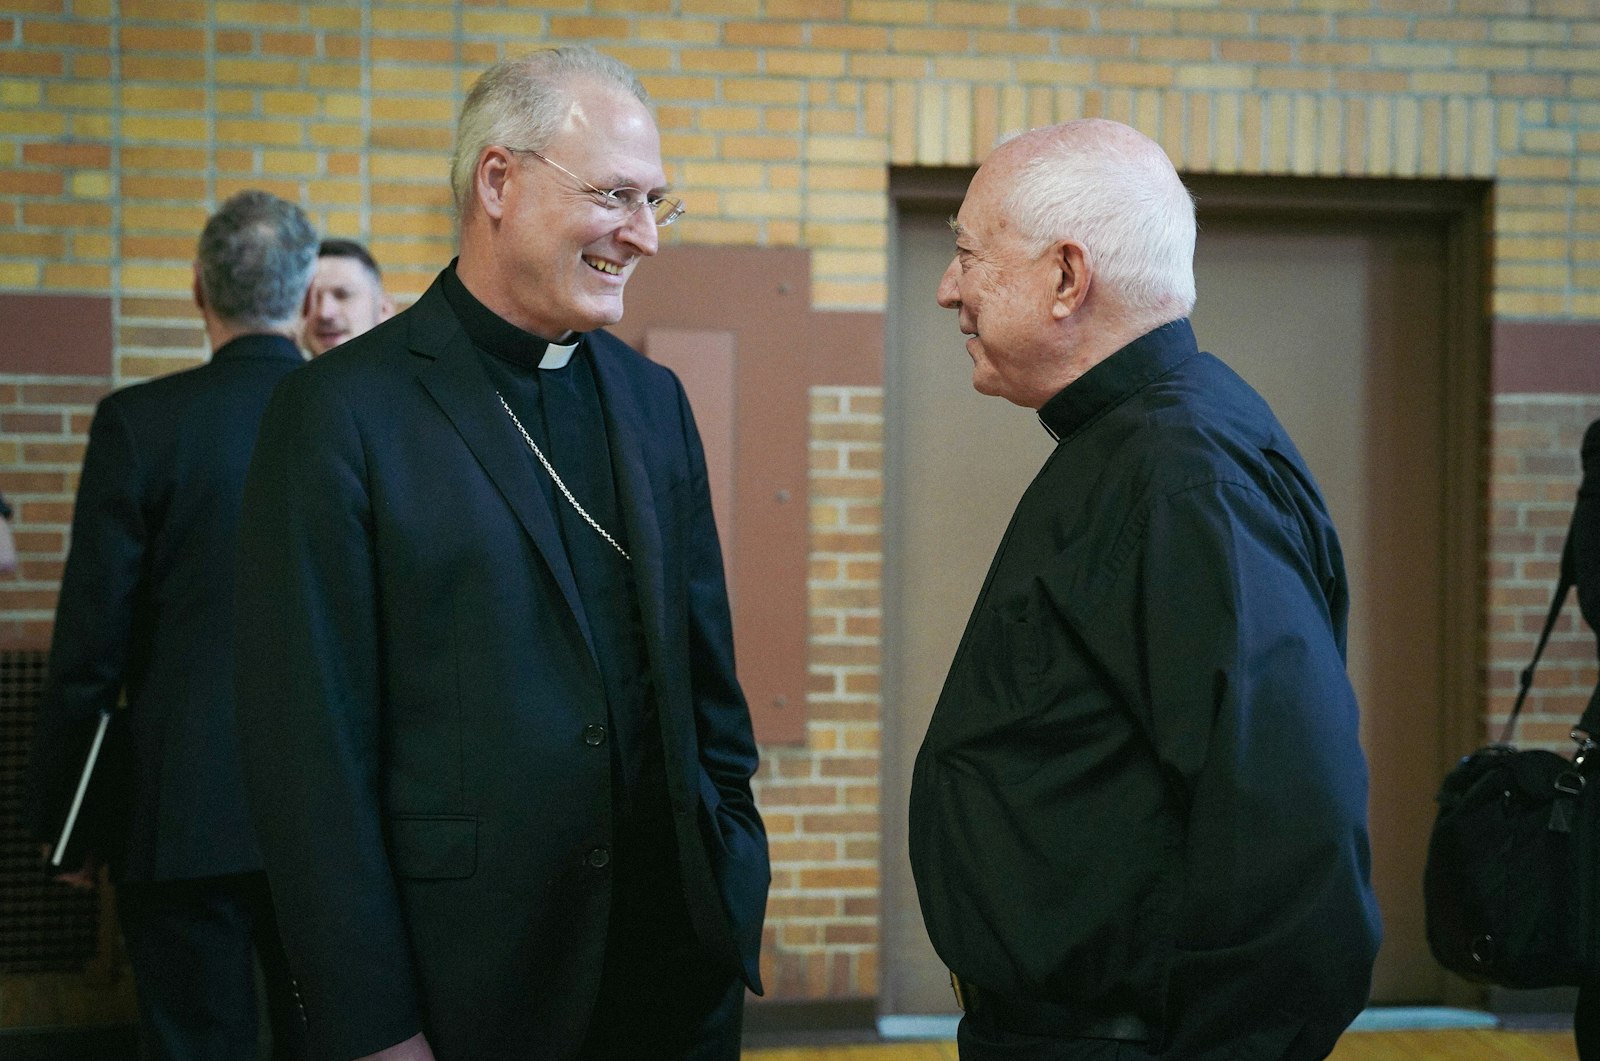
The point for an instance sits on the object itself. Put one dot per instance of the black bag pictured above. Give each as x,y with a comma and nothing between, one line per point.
1510,888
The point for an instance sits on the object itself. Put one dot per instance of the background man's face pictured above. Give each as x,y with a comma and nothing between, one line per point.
346,300
568,257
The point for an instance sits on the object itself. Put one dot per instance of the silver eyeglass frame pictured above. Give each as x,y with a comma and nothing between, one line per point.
674,207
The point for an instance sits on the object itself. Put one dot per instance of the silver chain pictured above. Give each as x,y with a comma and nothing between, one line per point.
537,452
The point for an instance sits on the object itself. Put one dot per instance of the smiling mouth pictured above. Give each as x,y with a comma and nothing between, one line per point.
599,265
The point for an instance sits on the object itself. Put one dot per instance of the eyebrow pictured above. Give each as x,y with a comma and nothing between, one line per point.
955,226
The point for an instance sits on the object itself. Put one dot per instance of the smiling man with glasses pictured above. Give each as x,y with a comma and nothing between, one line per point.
491,637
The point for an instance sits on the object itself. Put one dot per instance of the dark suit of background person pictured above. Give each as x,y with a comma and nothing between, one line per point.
146,612
1586,566
518,822
1138,819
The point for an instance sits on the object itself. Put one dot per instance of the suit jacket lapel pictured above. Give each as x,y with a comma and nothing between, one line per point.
635,498
463,391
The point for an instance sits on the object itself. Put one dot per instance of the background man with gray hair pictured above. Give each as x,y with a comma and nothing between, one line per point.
1138,819
482,573
145,614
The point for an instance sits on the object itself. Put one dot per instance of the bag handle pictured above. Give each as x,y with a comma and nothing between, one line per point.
1563,585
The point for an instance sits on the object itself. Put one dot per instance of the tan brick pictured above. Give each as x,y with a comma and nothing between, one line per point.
904,12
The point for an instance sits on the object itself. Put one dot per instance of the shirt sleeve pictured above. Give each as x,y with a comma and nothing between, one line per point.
1251,713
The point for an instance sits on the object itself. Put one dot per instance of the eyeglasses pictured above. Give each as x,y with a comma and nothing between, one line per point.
625,200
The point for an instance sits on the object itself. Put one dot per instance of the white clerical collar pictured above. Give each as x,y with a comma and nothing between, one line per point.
557,356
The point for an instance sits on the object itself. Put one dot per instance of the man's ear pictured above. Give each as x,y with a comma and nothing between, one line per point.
489,180
1072,273
385,308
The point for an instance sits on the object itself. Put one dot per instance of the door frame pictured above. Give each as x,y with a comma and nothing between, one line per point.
1462,209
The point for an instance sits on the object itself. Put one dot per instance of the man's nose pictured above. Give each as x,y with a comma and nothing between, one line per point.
640,231
949,293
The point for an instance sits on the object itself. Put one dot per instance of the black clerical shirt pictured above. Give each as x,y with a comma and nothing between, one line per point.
1141,789
561,410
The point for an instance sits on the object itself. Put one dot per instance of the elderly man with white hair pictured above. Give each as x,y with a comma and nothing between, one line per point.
1138,819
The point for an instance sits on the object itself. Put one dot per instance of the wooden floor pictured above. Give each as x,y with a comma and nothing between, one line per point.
1355,1046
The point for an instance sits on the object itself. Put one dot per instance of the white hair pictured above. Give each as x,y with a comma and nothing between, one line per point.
1113,190
522,102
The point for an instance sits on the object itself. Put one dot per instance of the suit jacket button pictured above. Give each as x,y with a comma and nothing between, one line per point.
594,734
599,857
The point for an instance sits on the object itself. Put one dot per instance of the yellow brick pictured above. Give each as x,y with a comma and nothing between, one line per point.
908,12
289,104
1534,168
848,294
91,185
712,230
850,38
76,276
259,132
141,127
499,24
275,73
729,119
1135,74
257,14
720,60
14,93
687,145
400,137
335,191
936,41
19,274
411,79
1213,76
409,21
139,277
971,14
827,122
665,87
772,148
1444,83
973,69
283,189
1512,275
845,206
844,149
722,174
571,28
845,234
765,34
319,16
92,245
761,204
736,8
680,30
891,67
414,109
1055,72
296,163
163,98
805,64
347,137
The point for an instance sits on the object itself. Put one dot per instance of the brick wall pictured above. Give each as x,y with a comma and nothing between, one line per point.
122,122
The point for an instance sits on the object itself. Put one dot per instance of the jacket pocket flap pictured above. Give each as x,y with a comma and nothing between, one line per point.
433,847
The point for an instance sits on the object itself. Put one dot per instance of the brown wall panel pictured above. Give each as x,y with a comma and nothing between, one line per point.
762,298
1546,357
55,335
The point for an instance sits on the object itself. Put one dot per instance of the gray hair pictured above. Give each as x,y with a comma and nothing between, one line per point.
1113,190
522,102
256,257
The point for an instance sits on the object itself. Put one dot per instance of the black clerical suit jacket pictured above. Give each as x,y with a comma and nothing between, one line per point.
421,712
146,612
